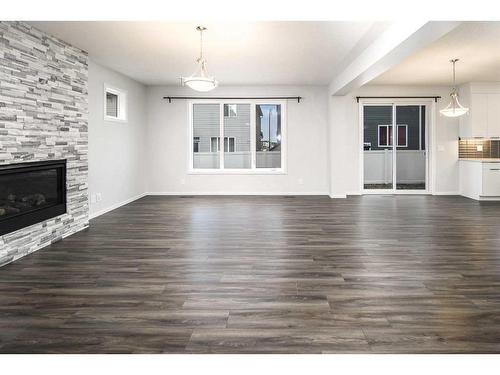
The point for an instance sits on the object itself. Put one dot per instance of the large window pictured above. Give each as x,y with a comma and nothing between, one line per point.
250,134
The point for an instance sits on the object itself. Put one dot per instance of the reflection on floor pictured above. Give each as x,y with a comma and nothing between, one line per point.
399,186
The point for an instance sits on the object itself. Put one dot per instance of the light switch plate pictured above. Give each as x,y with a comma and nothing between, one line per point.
440,148
479,148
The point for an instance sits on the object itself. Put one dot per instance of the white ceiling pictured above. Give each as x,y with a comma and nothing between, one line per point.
476,44
257,53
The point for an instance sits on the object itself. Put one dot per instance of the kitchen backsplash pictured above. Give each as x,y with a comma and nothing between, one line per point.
467,148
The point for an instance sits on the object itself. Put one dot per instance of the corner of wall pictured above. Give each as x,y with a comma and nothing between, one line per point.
117,151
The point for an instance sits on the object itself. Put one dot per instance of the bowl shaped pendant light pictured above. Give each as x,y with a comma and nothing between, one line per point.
454,109
200,80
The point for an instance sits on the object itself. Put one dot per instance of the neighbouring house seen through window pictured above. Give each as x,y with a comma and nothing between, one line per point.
252,134
206,127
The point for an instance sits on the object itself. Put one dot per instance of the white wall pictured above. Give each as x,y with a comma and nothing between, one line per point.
307,164
150,152
344,137
116,149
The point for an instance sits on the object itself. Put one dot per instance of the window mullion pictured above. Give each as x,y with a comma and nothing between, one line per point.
253,135
394,147
221,136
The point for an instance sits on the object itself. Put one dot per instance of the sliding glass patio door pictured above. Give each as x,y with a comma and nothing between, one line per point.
378,152
394,148
411,155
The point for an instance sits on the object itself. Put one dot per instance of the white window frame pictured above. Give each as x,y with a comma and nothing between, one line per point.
386,135
122,104
253,169
198,142
218,144
393,137
234,143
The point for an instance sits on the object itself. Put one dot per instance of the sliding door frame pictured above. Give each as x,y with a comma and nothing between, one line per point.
429,144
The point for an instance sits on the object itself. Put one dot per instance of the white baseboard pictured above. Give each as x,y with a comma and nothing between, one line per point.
353,193
277,193
115,206
488,199
341,196
446,193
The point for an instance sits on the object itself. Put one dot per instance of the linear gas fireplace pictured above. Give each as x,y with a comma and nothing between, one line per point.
31,193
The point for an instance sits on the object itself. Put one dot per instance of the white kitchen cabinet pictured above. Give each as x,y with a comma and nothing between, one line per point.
470,179
493,118
480,179
479,115
491,180
483,119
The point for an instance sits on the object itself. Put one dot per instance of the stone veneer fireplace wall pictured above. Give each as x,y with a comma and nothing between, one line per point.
44,116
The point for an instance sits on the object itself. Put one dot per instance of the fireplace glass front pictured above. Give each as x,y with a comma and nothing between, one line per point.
31,193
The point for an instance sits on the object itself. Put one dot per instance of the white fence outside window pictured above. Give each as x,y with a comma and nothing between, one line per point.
410,165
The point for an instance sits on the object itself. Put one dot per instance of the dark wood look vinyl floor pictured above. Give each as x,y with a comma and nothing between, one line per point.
373,274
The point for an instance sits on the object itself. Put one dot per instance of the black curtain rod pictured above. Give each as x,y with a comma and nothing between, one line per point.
170,98
398,97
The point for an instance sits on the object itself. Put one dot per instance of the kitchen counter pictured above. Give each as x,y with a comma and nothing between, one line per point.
480,179
482,160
